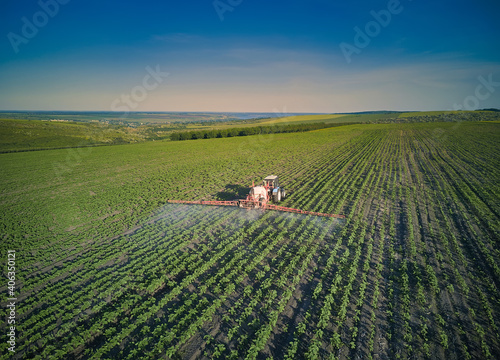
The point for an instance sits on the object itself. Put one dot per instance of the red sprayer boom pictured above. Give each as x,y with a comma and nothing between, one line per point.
260,198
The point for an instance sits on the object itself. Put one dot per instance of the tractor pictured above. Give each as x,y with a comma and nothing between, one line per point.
260,195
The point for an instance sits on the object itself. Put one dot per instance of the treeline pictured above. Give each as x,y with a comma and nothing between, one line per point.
256,130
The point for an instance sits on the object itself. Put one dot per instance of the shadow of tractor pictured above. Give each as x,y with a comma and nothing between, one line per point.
233,192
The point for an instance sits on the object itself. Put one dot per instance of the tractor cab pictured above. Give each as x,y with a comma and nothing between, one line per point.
271,181
276,193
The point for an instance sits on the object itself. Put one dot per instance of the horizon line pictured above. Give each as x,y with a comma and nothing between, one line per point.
239,112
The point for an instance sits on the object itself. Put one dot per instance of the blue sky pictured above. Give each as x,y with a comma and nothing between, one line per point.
249,56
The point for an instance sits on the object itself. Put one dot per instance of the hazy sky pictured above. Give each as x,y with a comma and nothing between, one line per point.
249,55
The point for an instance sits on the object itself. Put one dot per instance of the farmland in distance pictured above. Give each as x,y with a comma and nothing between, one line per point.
107,270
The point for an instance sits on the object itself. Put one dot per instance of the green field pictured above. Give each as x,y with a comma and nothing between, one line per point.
334,118
301,119
106,269
28,135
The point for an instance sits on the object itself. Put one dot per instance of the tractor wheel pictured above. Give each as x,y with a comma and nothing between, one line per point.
283,193
277,197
